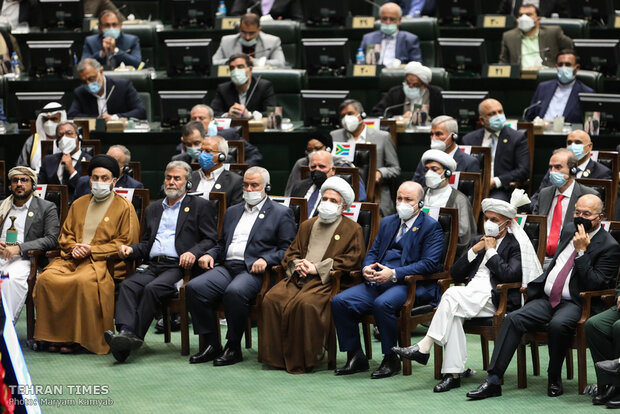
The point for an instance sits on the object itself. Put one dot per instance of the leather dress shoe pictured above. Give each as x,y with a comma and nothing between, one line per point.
554,387
447,383
604,396
613,403
356,363
485,390
175,324
611,366
230,356
208,354
123,341
389,366
120,356
413,353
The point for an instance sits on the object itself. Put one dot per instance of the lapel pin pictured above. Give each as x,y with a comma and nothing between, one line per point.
30,214
218,186
414,229
337,237
186,209
106,219
261,216
505,140
586,173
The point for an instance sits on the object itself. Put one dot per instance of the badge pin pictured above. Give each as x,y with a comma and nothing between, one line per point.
505,140
261,216
218,186
106,219
337,237
30,214
414,229
186,209
586,173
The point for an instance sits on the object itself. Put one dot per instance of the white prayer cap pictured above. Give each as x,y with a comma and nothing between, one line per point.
518,199
340,186
421,71
441,157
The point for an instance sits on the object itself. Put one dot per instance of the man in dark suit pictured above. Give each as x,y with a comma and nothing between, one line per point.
178,231
587,259
111,46
417,8
395,44
192,135
278,9
321,168
547,7
510,155
560,97
243,94
444,132
64,167
408,243
416,90
103,97
255,235
121,154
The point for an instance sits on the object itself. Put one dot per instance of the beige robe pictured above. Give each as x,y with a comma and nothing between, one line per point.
74,299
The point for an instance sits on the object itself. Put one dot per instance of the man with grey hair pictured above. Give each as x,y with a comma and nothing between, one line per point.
178,230
444,132
255,235
104,97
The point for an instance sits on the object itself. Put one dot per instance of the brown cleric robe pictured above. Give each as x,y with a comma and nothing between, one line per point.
296,312
74,299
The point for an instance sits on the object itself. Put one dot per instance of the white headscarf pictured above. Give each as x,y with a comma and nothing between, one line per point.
48,110
419,70
7,203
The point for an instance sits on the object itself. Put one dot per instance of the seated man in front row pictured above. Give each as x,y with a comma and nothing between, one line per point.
587,258
410,243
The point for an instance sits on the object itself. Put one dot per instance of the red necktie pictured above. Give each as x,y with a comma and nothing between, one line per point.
556,226
555,296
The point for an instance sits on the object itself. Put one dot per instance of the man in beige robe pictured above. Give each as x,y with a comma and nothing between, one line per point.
296,314
74,295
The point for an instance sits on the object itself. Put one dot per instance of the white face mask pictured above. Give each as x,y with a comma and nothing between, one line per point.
405,211
328,211
49,127
100,189
491,229
438,144
67,145
253,197
432,179
350,122
526,23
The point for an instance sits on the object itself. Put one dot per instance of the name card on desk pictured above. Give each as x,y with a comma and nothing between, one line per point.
363,22
499,71
493,22
223,71
617,22
365,70
229,23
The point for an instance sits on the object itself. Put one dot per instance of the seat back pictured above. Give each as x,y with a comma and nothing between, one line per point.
145,97
483,155
287,83
366,160
236,151
148,40
289,32
470,184
299,207
59,195
350,174
91,147
536,229
591,78
3,172
573,28
369,219
392,77
614,230
218,200
611,160
605,190
238,168
140,201
449,221
528,129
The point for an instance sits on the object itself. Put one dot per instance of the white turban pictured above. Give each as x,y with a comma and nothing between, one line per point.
421,71
441,157
7,203
340,186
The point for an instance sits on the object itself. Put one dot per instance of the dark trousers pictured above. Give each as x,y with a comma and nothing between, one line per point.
141,294
603,335
535,314
231,284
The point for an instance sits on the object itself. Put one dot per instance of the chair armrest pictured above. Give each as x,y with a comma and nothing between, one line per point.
502,306
445,283
586,300
266,275
52,253
336,277
412,281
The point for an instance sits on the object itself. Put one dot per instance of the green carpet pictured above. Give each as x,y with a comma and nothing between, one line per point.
158,379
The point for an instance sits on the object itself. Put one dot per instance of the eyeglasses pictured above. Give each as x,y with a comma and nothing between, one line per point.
22,180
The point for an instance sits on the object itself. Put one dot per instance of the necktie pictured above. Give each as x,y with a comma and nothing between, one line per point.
556,226
312,201
401,233
555,296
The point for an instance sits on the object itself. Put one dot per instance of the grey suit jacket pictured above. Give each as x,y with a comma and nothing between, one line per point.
551,37
387,162
467,224
545,199
267,45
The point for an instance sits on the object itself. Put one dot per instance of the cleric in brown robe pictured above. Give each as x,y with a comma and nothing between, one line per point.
74,295
296,314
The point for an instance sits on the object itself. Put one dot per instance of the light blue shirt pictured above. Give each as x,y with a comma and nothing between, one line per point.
559,101
388,49
165,238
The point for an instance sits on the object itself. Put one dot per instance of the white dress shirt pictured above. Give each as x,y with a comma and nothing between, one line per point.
582,167
559,101
236,250
206,183
482,278
20,222
10,10
165,239
61,168
388,50
487,141
362,137
311,190
567,193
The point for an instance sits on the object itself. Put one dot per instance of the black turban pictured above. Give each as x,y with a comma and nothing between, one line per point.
104,161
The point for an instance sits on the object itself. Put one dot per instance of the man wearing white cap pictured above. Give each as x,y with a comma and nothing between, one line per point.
439,167
295,313
497,257
415,92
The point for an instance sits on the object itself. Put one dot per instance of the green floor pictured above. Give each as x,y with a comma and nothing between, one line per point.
158,379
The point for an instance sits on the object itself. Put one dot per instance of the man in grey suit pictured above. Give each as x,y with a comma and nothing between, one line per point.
530,44
27,223
253,42
354,130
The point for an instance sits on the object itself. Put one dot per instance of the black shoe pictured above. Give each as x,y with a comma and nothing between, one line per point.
175,324
389,366
413,353
613,403
121,356
611,366
357,362
554,387
485,390
447,383
230,356
604,396
209,354
123,341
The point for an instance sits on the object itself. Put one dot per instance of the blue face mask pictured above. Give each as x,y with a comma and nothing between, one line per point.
112,32
248,43
565,74
497,122
193,152
388,29
411,93
212,129
94,87
557,179
206,160
577,149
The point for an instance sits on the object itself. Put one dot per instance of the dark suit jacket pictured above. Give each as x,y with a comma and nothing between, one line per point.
286,9
407,45
49,168
396,96
464,163
544,92
252,154
505,267
123,102
228,182
546,7
427,10
596,269
269,238
83,186
301,188
551,37
196,230
128,50
226,95
545,199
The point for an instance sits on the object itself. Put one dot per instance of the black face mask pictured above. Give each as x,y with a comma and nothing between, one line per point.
587,224
318,177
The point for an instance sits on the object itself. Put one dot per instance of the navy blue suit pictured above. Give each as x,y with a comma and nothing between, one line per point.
544,92
427,10
123,102
231,281
464,163
128,50
83,186
422,247
407,45
49,169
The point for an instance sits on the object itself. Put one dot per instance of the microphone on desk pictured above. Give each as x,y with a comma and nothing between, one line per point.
392,107
378,6
249,9
534,105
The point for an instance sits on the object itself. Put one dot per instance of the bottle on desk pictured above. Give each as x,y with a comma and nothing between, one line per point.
15,64
360,57
221,9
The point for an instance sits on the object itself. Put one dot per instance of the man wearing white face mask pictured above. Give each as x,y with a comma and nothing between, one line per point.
64,167
530,44
112,46
560,97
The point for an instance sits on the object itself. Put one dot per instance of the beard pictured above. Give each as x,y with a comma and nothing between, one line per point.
172,192
23,196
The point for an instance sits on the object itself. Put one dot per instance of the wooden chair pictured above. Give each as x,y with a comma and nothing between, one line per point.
389,125
349,174
366,160
3,173
528,128
611,159
483,154
134,166
470,184
236,148
606,191
245,127
90,146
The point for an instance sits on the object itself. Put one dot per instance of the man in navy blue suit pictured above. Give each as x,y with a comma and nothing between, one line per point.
111,46
394,43
510,155
255,235
408,243
560,97
417,8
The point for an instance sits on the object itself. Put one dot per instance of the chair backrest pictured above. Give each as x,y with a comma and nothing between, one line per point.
536,229
287,84
389,125
349,174
236,151
84,127
605,190
148,38
483,155
573,28
611,160
299,207
219,203
3,171
449,221
145,97
289,32
614,230
140,201
245,127
369,219
90,146
392,77
366,160
59,195
528,129
470,184
239,168
591,78
134,167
